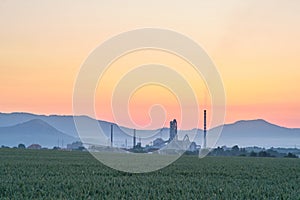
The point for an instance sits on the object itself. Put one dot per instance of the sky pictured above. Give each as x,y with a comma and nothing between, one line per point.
254,44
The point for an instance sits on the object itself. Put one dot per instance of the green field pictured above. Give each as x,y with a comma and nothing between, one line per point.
47,174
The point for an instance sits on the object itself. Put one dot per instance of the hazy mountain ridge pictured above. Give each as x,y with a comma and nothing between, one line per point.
33,131
258,133
244,133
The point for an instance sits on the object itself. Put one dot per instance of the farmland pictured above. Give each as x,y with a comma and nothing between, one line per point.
48,174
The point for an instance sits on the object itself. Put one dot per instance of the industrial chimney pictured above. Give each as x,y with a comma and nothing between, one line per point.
134,138
204,131
111,135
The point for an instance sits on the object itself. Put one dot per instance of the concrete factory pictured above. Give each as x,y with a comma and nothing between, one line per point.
172,144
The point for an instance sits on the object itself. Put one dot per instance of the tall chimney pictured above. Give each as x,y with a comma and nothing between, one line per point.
111,135
204,131
134,138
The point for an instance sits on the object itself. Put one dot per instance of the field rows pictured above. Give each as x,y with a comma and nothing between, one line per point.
46,174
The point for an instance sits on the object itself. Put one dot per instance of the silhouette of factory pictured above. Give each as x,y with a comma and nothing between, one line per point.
168,146
171,144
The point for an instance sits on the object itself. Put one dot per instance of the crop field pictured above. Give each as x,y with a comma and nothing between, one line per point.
48,174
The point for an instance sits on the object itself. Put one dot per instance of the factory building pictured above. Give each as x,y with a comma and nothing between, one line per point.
173,130
158,143
173,144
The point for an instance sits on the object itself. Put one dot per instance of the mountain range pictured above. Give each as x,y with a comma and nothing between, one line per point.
54,130
33,131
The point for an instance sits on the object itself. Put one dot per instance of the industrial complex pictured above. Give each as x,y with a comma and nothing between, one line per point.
172,144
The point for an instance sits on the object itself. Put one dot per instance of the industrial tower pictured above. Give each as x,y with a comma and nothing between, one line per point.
204,131
134,138
173,130
111,135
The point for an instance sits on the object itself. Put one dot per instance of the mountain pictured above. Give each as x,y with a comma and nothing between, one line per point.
33,131
243,133
64,124
257,133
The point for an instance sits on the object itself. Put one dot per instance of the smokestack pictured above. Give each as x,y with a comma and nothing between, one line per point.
204,135
134,138
111,135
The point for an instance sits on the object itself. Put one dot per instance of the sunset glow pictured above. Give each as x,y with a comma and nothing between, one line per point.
254,44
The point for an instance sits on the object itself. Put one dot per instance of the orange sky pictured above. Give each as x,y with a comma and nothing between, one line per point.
254,44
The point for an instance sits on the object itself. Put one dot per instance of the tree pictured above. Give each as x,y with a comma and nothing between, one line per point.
235,148
21,146
291,155
253,154
264,154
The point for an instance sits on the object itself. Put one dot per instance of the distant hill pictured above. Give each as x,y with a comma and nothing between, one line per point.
62,123
66,125
258,133
242,133
34,131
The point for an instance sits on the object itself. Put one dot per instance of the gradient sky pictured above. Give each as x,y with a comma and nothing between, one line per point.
254,44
